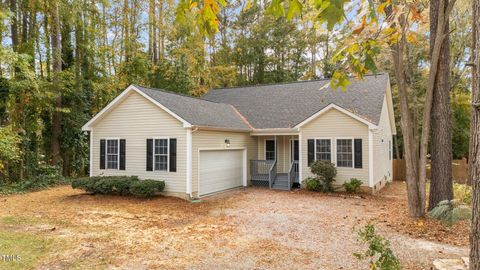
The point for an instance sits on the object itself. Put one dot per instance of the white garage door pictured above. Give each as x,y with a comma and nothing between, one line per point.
220,170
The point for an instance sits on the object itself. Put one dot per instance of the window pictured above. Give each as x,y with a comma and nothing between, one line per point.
323,150
344,153
112,154
160,154
270,150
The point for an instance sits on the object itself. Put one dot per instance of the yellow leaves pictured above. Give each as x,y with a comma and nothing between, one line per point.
390,35
193,4
412,38
339,79
248,5
206,13
382,6
359,29
416,14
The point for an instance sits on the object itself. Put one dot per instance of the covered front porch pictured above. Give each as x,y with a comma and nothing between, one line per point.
278,161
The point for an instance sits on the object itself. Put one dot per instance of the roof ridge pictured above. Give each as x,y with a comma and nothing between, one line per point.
286,83
177,94
244,119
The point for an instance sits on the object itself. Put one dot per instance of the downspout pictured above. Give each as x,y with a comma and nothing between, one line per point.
189,179
370,158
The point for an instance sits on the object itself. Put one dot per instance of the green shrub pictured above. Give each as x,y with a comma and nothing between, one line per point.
450,212
119,185
84,183
146,188
312,184
352,186
45,176
122,186
463,193
379,254
325,172
104,186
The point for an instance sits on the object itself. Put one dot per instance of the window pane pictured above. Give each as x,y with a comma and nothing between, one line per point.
323,151
112,154
344,153
270,150
161,155
112,146
270,145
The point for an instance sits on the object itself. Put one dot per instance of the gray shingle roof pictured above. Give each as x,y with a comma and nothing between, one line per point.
198,111
274,105
286,105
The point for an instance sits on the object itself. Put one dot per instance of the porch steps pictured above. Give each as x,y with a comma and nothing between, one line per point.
281,182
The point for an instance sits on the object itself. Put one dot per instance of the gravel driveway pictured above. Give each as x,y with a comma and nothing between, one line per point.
253,228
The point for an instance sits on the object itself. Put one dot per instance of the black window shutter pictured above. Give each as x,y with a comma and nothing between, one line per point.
122,153
358,153
173,155
149,154
102,154
311,151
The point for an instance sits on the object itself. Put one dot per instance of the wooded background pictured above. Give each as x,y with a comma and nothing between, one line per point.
62,61
459,170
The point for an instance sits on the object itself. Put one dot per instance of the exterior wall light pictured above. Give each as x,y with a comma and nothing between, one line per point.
227,143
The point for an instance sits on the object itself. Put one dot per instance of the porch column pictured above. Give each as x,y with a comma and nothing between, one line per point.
300,158
276,147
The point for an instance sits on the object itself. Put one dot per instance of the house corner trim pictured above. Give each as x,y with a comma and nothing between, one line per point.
370,157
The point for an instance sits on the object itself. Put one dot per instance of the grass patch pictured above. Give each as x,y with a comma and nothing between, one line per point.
29,247
13,220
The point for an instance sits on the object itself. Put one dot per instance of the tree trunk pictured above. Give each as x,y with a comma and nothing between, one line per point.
161,35
474,164
415,206
57,68
14,24
441,149
434,65
47,39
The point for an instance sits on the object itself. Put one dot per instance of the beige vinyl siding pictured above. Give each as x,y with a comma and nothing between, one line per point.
207,139
136,119
283,150
335,124
382,164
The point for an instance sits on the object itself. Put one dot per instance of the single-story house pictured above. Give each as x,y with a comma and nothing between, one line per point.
260,135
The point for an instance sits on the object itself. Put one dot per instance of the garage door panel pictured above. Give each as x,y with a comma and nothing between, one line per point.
220,170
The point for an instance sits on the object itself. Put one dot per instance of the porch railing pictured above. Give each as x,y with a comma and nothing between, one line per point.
263,170
292,173
272,174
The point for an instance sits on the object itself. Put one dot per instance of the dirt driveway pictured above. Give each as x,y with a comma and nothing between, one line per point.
255,228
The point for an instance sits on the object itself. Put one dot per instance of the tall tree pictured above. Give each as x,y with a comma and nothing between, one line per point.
474,165
14,24
441,186
57,69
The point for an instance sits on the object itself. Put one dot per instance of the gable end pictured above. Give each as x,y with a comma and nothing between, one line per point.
123,96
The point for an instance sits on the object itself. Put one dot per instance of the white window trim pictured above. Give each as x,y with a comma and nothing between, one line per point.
353,151
333,155
168,154
265,147
106,154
